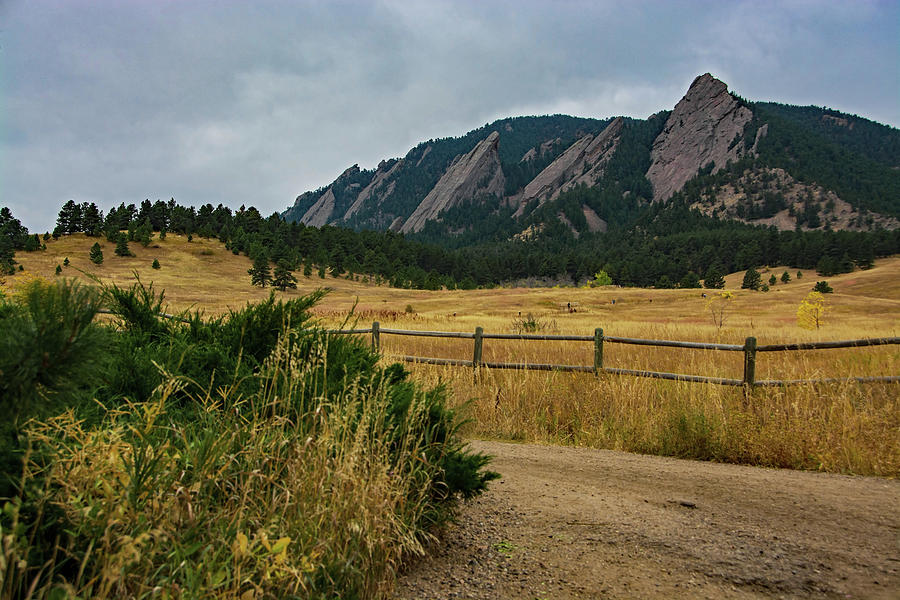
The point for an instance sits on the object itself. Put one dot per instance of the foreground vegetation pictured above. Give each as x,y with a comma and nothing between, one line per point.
242,455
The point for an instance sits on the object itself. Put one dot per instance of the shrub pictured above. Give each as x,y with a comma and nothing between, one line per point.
210,481
823,288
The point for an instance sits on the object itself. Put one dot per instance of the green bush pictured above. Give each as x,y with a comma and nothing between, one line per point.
209,429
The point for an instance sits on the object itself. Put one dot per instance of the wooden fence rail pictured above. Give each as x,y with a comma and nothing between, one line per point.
749,348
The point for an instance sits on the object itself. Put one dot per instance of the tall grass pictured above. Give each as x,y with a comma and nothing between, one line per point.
843,427
310,476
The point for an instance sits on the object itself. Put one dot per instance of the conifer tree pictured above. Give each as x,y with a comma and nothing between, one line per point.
96,254
155,264
260,274
122,246
283,277
752,280
714,279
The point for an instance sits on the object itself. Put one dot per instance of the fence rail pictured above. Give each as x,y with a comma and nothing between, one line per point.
749,348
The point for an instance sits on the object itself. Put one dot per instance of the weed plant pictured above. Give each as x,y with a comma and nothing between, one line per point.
246,456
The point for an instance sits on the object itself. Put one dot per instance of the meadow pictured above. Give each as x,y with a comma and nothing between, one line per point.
844,427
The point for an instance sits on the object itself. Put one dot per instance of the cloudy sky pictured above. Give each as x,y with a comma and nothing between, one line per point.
254,102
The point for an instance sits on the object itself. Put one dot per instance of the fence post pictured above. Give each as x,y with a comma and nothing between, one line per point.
598,351
750,362
476,356
376,336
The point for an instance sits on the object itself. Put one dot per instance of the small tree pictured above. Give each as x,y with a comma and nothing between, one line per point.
690,280
714,279
66,261
307,270
717,305
58,269
600,279
260,274
773,280
155,264
811,312
322,271
785,277
283,277
822,287
96,254
752,280
122,246
799,274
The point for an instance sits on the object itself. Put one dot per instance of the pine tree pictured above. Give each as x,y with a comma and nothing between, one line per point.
752,280
96,254
714,279
122,246
785,277
773,280
155,264
307,270
283,277
260,274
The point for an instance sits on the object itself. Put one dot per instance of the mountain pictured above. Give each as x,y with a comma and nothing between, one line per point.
719,155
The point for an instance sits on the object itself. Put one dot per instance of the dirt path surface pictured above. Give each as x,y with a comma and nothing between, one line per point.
583,523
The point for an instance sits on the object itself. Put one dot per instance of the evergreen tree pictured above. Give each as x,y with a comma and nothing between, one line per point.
260,274
714,279
773,280
144,232
155,264
283,277
307,270
122,246
785,277
91,219
752,280
823,288
690,280
96,254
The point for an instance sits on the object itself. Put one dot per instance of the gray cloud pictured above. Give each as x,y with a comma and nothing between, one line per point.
253,103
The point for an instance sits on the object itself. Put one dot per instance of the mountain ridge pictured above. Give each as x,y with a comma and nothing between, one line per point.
823,170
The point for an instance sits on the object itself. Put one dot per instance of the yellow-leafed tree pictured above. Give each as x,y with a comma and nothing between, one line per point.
811,312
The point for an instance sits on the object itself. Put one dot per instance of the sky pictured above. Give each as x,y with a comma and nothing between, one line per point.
254,102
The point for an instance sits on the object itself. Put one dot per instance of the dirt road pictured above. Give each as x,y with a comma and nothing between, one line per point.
582,523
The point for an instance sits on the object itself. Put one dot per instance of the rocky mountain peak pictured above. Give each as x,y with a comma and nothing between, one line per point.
703,129
470,175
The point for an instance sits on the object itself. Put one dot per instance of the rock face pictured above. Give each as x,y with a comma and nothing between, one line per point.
583,162
382,174
320,213
470,175
703,128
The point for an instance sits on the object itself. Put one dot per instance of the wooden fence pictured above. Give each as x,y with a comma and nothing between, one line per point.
749,348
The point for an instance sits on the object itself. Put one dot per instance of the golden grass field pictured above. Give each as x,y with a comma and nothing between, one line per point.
853,428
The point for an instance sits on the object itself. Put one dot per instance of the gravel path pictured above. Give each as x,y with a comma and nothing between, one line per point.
584,523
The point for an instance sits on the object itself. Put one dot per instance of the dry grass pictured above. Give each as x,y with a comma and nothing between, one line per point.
842,428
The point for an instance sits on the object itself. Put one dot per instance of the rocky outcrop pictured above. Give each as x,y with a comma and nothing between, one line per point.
470,175
383,174
320,213
583,162
702,129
